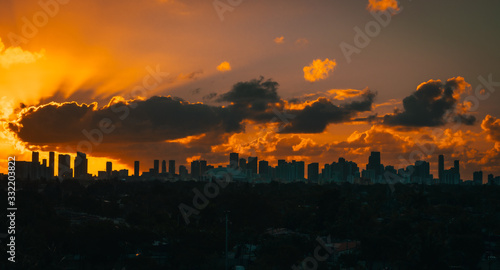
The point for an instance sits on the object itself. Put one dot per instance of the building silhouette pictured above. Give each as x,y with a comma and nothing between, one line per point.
440,167
64,168
171,167
313,172
136,168
252,164
477,177
156,166
163,166
109,169
51,164
233,160
81,165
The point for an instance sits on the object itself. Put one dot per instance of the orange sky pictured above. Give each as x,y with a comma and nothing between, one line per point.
90,51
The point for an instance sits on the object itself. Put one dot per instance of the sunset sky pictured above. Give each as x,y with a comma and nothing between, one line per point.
283,79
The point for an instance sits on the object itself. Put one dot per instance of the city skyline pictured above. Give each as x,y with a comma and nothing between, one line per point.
186,80
375,170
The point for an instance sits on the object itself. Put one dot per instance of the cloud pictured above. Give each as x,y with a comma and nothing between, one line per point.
279,40
491,125
342,94
302,42
318,70
153,120
255,92
431,105
16,55
383,5
224,66
317,115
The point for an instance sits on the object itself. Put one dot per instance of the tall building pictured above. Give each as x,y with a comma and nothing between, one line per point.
243,164
203,167
300,166
313,172
374,163
156,166
35,168
456,166
81,165
195,169
478,177
252,164
264,168
171,166
51,164
109,168
440,167
163,166
183,172
136,168
233,160
64,166
35,157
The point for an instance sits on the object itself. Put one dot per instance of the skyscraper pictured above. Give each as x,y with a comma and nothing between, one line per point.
203,167
80,165
35,165
35,157
195,169
64,169
109,168
156,166
374,163
233,160
252,164
136,168
171,166
456,166
478,177
51,164
163,166
263,168
440,168
243,164
313,172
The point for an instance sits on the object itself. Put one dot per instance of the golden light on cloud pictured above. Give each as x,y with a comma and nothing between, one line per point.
16,55
383,5
342,94
279,40
224,66
319,70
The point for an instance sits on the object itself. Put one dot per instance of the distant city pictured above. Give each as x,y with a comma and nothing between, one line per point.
253,170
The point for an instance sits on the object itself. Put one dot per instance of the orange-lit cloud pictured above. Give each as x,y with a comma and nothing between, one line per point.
491,125
342,94
224,66
16,55
383,5
302,42
319,70
279,40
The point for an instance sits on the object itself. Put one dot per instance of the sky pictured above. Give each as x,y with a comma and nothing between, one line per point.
296,80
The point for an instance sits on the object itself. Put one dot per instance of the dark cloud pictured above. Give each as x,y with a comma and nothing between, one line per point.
254,94
209,97
314,118
428,106
468,120
155,119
